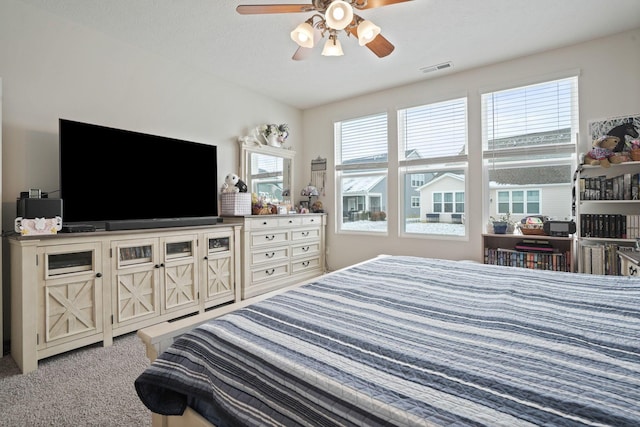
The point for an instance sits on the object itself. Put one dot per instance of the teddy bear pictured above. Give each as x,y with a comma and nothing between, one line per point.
602,151
233,184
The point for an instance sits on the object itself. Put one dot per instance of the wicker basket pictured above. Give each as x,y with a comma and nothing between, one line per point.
635,154
530,229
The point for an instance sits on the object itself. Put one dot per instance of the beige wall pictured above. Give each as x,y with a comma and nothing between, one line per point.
608,86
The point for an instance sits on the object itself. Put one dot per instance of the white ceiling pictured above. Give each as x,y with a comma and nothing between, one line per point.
255,50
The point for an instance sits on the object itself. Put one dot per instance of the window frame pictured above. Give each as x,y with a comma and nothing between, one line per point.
564,154
431,165
344,171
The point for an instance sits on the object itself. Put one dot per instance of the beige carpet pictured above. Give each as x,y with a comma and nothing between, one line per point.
92,386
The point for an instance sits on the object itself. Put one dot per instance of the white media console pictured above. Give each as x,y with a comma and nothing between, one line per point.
69,290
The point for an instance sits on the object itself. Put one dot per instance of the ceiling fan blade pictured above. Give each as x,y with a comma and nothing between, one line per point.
379,3
253,9
380,45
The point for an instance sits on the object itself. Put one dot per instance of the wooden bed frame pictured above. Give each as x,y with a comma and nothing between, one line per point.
159,337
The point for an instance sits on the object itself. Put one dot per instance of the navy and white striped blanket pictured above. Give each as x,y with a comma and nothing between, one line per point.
411,341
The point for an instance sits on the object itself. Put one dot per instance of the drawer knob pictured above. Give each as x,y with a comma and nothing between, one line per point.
305,263
264,223
305,233
305,249
270,272
270,237
271,255
98,274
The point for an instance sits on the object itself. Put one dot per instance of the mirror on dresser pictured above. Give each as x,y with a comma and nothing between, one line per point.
267,170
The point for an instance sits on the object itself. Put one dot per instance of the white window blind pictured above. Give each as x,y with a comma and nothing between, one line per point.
363,142
539,119
435,131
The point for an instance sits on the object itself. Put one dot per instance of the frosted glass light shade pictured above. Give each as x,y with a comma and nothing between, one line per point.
332,48
303,35
367,31
339,14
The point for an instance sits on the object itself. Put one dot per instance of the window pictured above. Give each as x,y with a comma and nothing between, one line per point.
433,171
415,201
448,202
361,173
519,202
417,180
529,145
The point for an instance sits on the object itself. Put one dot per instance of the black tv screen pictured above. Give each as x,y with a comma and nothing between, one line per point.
109,174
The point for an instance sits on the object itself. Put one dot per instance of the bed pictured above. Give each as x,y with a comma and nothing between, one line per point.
410,341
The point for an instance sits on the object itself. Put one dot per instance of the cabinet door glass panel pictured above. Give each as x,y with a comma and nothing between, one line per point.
71,262
179,249
134,255
218,244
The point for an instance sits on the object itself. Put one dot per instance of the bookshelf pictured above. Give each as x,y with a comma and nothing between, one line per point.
608,216
538,251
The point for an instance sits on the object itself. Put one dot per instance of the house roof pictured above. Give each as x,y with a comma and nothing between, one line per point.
360,185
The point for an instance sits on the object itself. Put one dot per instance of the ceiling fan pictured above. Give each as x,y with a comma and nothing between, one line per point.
330,16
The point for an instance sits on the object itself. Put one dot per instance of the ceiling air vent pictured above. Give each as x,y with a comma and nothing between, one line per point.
438,67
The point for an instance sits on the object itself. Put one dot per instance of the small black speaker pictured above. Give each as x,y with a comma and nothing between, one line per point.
39,208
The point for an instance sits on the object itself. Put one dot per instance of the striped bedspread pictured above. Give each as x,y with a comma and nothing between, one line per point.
409,341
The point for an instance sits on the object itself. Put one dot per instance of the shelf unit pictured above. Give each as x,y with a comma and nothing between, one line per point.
500,249
607,216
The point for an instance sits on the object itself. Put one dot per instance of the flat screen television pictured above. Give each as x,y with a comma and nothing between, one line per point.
116,176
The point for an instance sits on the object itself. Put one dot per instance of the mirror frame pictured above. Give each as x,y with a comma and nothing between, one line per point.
247,148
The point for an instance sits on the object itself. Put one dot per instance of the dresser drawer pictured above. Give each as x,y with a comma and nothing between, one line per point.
270,254
305,249
309,220
306,264
269,272
266,222
305,234
290,221
272,237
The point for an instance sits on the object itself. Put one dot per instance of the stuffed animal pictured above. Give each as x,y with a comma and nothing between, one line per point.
602,151
233,184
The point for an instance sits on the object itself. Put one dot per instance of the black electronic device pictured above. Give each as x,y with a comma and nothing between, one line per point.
559,228
39,208
533,245
109,174
137,224
78,228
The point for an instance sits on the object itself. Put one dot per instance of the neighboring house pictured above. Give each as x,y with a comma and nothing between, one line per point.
541,190
361,195
521,191
369,194
443,199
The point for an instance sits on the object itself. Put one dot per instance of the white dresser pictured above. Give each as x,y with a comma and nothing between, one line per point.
279,250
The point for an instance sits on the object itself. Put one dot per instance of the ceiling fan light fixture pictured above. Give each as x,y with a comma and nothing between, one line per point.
367,31
303,35
338,15
332,47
